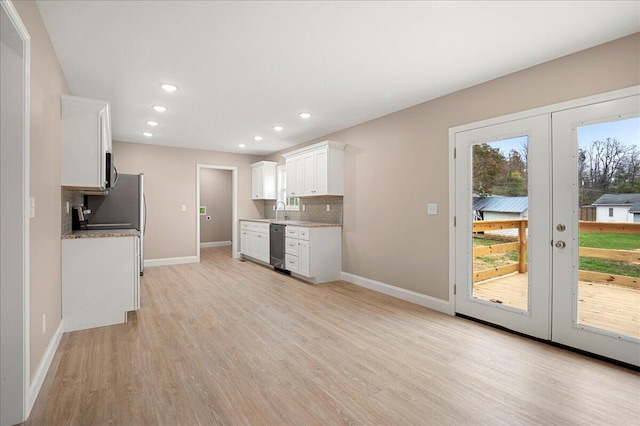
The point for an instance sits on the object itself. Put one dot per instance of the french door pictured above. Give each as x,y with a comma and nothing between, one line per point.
596,263
545,239
502,242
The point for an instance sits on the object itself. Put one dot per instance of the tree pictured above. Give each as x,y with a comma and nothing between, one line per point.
488,167
608,166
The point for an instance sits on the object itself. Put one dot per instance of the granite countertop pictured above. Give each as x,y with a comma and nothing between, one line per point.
293,223
106,233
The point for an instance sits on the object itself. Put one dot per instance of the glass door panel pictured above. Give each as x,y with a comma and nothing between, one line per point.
500,211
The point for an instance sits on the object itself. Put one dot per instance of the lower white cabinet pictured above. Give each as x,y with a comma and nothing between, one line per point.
254,240
100,281
314,254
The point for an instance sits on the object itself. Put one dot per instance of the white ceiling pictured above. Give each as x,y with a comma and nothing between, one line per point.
243,67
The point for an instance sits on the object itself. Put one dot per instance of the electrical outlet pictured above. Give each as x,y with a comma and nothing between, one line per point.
328,207
44,323
432,208
32,212
184,207
274,208
66,207
304,207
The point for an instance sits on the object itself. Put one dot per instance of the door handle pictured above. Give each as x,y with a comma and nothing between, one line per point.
560,244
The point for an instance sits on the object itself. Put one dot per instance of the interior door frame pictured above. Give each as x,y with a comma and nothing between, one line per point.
549,109
22,382
234,207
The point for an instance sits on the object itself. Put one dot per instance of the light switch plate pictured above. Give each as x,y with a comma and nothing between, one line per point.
432,208
184,207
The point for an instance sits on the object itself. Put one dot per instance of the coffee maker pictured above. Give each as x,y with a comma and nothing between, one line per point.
78,220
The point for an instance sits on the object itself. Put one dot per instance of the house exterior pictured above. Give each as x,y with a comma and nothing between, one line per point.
618,208
501,208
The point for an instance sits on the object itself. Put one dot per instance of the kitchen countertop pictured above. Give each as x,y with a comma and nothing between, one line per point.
105,233
293,223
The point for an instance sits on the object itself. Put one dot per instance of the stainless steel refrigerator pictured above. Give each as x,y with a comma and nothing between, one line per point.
123,208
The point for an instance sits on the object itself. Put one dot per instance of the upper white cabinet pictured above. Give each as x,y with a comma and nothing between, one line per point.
263,180
316,170
86,140
294,176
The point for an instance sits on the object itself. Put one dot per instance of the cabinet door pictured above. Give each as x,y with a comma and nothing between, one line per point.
303,258
245,242
320,169
308,174
294,176
261,247
257,183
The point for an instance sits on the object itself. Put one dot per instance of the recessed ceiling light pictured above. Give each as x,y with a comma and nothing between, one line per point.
147,134
169,87
278,128
258,138
160,108
241,145
152,123
304,115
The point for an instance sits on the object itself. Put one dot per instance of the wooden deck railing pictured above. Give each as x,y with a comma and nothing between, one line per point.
521,246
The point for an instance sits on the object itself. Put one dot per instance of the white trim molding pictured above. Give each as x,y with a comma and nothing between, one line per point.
171,261
215,244
45,364
400,293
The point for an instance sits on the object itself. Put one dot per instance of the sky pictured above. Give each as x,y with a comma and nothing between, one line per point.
625,131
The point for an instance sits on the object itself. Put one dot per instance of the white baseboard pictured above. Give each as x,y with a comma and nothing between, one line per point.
43,366
170,261
400,293
216,244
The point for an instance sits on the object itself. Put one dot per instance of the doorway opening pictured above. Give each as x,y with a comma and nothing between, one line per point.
15,54
217,213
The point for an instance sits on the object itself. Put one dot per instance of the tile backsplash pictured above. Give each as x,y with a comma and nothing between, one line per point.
315,210
74,199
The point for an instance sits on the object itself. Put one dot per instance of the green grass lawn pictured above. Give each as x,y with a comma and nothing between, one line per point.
613,242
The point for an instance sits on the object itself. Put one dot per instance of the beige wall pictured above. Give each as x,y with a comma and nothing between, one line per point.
397,164
47,84
215,195
170,181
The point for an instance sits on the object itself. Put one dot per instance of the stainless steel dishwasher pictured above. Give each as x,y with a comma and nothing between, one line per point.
276,246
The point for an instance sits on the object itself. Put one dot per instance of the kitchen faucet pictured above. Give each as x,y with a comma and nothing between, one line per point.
284,207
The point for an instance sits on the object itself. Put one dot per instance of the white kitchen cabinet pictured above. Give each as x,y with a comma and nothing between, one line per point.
86,140
263,180
100,281
314,254
254,240
322,169
294,175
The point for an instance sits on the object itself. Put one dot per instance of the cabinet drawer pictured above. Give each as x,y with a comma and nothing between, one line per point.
262,228
291,246
245,225
291,263
303,233
291,231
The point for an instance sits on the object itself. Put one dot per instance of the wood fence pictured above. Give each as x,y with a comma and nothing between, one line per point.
521,246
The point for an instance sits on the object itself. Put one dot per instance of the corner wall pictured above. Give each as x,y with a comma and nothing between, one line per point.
398,163
47,84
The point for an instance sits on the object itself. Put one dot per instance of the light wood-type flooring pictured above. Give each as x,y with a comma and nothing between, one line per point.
232,342
604,306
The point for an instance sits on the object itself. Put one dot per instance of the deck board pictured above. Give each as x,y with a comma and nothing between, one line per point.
603,306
